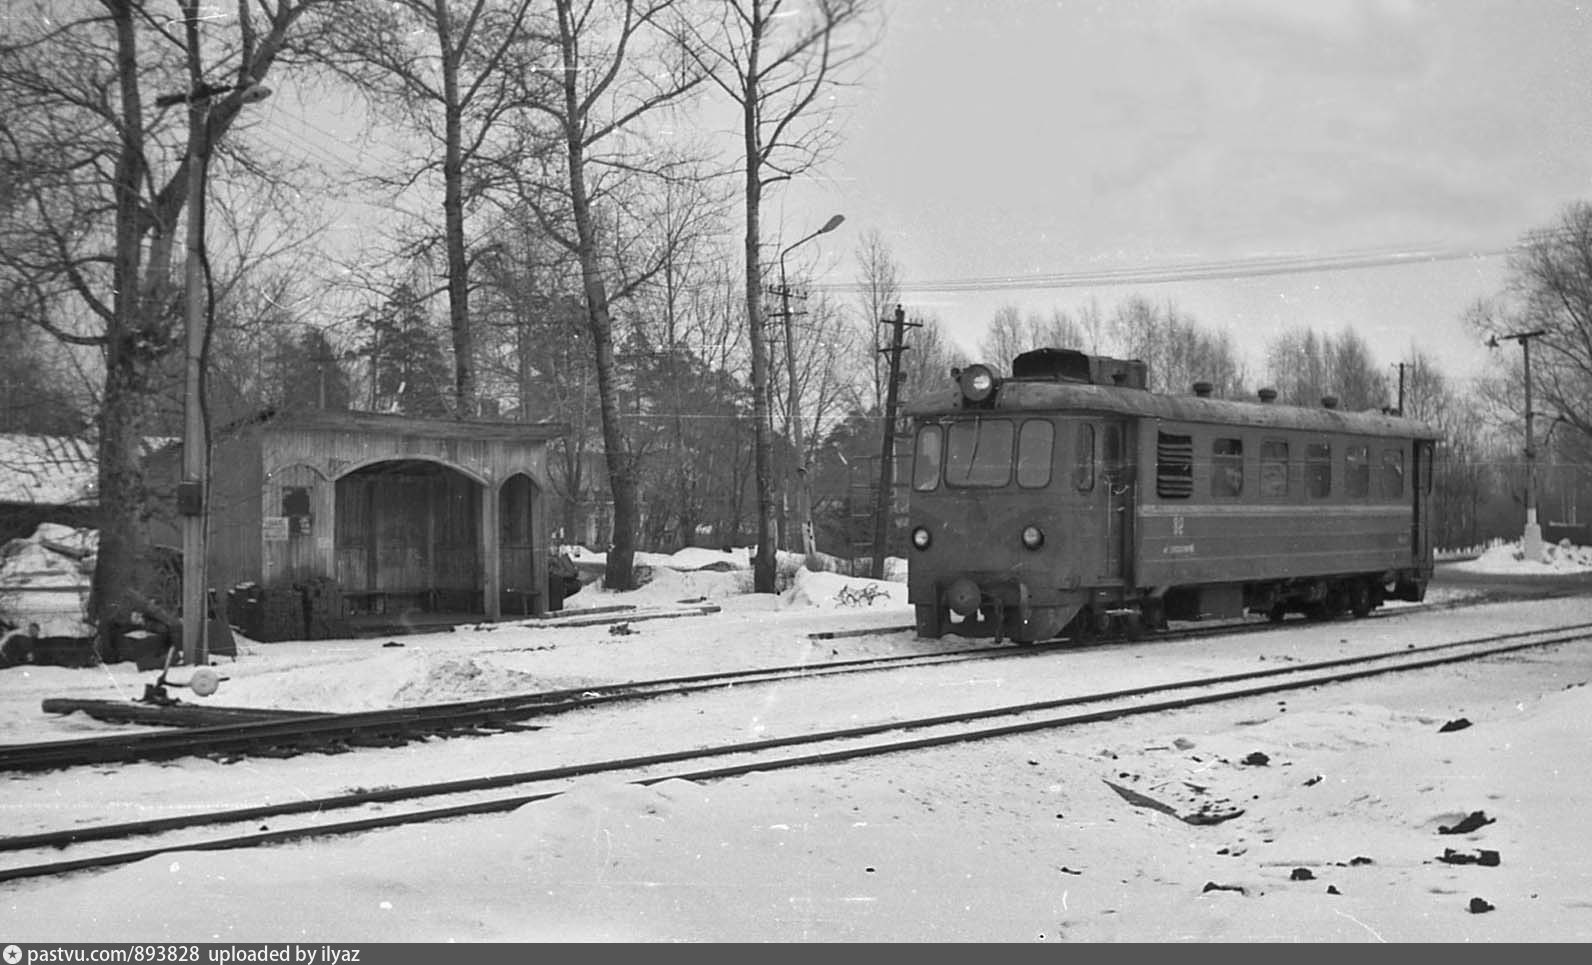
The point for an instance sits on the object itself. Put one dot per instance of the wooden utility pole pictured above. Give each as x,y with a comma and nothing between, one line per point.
881,506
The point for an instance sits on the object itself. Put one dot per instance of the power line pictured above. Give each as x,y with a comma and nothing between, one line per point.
1256,267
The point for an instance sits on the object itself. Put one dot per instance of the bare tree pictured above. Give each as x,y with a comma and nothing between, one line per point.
1306,368
776,64
927,367
879,291
104,178
450,71
1550,291
1010,334
1460,473
1177,350
1361,383
618,66
818,385
1004,339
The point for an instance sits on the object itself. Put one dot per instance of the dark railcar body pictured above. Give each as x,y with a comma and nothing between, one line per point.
1066,498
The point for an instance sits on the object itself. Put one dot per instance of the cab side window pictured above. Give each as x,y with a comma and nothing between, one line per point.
1227,468
1318,470
1274,469
1392,474
1357,471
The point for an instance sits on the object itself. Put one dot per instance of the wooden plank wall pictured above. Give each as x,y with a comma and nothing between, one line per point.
447,533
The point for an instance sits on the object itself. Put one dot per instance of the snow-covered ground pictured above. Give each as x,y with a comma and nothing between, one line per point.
1015,839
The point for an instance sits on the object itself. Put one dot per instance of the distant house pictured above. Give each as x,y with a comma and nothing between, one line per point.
46,479
397,513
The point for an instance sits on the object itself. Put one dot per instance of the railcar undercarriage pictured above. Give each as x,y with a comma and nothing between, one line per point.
1004,609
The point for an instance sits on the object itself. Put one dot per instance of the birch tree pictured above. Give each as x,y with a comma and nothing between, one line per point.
450,72
778,62
617,69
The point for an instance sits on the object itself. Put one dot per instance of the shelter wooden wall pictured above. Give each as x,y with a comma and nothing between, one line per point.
378,502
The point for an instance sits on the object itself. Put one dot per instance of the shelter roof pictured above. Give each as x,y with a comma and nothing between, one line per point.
48,470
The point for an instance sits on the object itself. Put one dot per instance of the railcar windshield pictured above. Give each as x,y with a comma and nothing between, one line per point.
978,453
926,459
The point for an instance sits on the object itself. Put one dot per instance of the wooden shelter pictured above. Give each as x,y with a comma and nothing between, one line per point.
390,514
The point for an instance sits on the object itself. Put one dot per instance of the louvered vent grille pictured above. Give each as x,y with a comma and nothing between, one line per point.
1174,466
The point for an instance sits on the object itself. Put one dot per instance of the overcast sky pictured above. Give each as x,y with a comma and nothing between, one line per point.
1009,140
1017,147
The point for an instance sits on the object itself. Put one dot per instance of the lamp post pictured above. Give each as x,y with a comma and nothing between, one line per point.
192,491
804,503
1531,539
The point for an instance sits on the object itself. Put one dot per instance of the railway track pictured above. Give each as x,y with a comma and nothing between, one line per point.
82,848
287,735
335,733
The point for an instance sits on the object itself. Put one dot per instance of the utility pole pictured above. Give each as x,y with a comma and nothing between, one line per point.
804,499
1531,539
194,488
881,508
1401,388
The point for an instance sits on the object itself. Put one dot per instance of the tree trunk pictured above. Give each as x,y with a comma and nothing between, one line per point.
453,220
763,560
620,571
136,338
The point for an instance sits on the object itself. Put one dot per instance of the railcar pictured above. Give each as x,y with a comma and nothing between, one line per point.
1066,499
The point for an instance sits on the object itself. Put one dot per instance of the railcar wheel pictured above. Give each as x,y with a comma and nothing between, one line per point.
1277,613
1360,599
1081,629
1132,625
1154,614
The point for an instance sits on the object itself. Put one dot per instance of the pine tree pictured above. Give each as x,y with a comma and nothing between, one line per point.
411,372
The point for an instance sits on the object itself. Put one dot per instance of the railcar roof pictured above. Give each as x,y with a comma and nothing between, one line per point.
1016,395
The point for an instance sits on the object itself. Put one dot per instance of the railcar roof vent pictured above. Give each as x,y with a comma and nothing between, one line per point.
1268,394
1071,365
1204,389
1122,373
1329,402
1068,365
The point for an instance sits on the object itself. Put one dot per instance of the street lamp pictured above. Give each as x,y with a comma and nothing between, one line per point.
804,502
1531,539
192,491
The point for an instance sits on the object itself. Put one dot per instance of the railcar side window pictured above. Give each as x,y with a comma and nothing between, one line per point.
1174,466
1111,449
1227,467
978,453
1036,441
926,459
1083,458
1318,470
1357,471
1392,473
1274,468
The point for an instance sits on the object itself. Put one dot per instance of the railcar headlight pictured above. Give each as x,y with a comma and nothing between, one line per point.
978,383
1033,536
921,538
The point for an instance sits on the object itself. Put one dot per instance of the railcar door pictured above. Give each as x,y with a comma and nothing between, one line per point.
1117,468
1420,529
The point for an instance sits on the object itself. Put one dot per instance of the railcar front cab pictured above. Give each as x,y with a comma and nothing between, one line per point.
1000,499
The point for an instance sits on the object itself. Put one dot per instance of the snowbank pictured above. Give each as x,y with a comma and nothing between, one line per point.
1563,557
